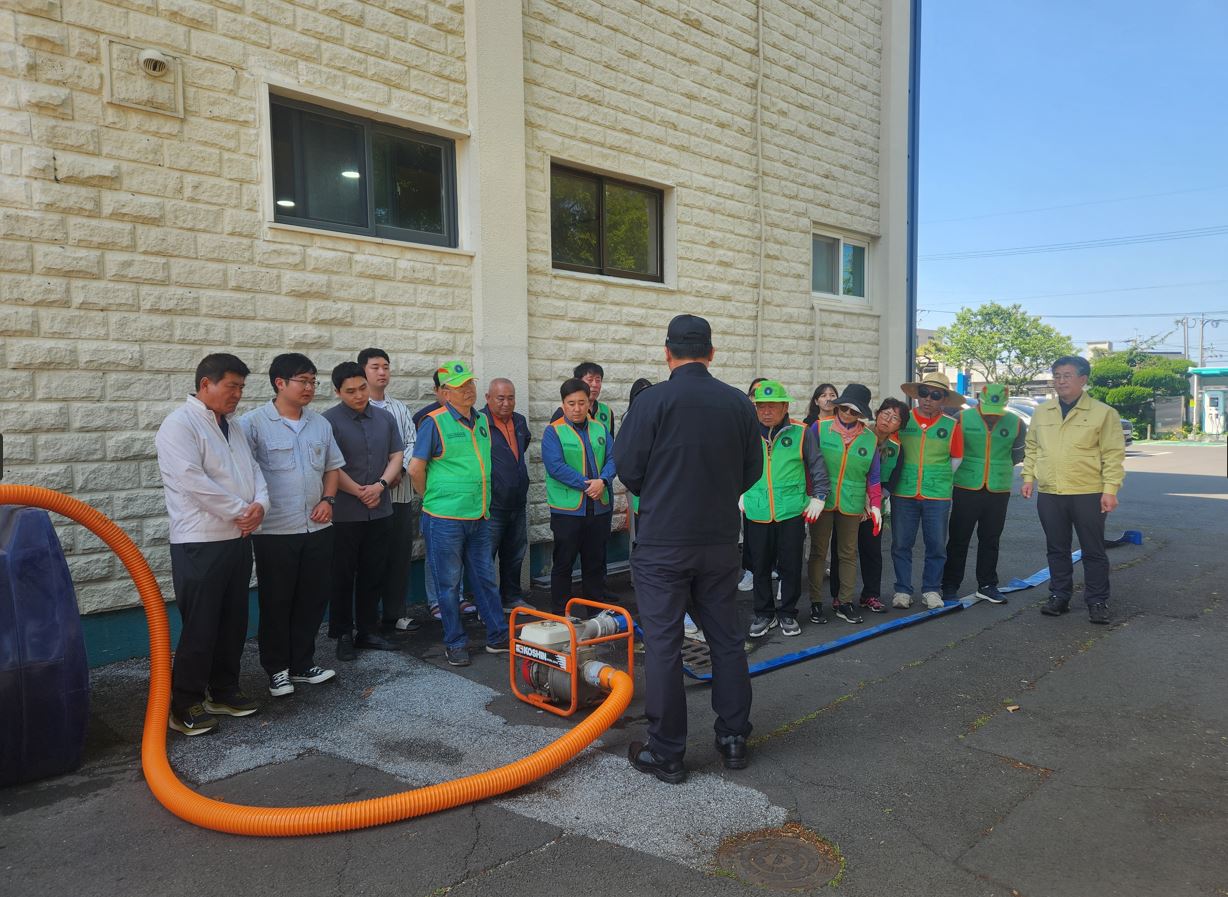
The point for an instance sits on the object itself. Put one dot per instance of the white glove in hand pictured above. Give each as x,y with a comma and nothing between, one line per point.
814,509
741,504
877,517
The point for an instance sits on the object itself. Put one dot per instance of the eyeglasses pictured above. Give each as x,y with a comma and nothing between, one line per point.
925,392
1062,378
305,383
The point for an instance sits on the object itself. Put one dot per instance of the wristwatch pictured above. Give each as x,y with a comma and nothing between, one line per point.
330,499
383,482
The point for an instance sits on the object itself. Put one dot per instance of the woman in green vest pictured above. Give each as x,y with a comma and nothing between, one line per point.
887,421
993,445
790,492
578,454
850,452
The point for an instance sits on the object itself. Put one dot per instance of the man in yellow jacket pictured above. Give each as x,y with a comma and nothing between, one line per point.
1073,458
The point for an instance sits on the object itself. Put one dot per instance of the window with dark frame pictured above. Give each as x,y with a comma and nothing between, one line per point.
602,225
339,172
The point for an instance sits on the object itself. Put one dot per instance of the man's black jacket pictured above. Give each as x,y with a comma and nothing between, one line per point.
689,447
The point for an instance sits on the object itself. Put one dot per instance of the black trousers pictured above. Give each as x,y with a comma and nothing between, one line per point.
360,559
778,546
294,575
869,556
586,537
748,562
395,589
1058,515
985,512
667,577
211,590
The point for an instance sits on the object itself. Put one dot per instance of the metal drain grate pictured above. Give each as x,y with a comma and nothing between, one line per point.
789,858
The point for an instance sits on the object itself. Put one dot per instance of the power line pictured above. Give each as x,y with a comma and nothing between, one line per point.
1073,205
1163,314
1156,286
1158,237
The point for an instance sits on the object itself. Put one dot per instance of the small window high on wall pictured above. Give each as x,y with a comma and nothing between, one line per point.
837,266
339,172
601,225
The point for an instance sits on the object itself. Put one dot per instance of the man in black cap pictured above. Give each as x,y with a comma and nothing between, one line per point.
689,447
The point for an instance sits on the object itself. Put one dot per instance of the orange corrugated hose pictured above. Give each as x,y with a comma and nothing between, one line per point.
278,821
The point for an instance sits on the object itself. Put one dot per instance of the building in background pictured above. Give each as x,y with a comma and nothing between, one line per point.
527,183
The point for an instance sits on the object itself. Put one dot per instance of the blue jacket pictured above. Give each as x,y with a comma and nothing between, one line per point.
509,475
552,458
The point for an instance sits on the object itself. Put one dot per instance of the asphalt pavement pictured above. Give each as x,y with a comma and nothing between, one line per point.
991,751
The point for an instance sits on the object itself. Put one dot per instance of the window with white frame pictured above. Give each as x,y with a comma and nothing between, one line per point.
340,172
838,266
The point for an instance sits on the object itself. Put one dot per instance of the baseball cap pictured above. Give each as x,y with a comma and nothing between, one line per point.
688,330
454,373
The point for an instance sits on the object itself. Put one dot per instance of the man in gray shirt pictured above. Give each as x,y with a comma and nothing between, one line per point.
362,517
406,505
300,460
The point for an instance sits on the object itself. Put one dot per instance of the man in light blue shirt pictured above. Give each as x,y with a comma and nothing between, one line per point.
300,460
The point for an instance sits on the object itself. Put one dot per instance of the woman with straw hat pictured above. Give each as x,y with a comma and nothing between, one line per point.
932,443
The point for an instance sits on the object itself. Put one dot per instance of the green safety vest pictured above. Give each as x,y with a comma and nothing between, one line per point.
634,501
925,458
458,481
848,466
564,497
987,460
603,415
780,493
888,457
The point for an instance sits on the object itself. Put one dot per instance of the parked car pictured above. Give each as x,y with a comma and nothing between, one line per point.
1127,430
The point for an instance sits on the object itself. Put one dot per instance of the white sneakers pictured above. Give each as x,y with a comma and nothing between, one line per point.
932,600
747,582
901,600
690,629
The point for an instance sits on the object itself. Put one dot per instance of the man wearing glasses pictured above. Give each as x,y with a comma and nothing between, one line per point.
300,460
1074,456
932,444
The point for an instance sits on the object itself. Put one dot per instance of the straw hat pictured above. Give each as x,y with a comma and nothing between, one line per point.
935,379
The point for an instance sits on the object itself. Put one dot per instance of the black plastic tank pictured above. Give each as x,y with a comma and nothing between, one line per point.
44,677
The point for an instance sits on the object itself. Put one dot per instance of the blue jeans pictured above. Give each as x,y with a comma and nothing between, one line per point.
455,548
932,516
509,540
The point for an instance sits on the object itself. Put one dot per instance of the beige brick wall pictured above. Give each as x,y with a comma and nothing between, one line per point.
666,94
132,243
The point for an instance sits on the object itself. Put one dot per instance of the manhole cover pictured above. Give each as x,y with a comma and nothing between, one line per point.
789,858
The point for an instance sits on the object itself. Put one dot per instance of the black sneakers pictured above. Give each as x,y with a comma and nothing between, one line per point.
991,594
733,751
1098,613
848,613
234,704
816,614
457,657
647,761
345,648
760,625
313,676
193,721
1055,606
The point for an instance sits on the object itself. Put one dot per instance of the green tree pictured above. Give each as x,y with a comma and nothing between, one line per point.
1110,371
1130,401
1003,342
1160,380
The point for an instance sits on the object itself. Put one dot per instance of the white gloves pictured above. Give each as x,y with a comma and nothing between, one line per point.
877,516
741,504
813,510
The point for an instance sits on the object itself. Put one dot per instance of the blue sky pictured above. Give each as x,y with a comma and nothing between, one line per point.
1116,111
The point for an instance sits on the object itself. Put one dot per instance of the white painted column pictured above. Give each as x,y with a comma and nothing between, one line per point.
890,260
495,207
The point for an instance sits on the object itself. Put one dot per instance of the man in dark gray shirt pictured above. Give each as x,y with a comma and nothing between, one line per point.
689,448
362,518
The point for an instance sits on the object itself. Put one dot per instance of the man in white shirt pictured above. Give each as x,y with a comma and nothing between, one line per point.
300,460
216,497
406,506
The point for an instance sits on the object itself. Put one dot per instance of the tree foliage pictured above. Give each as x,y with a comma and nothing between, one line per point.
1003,342
1161,381
1130,401
1110,372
